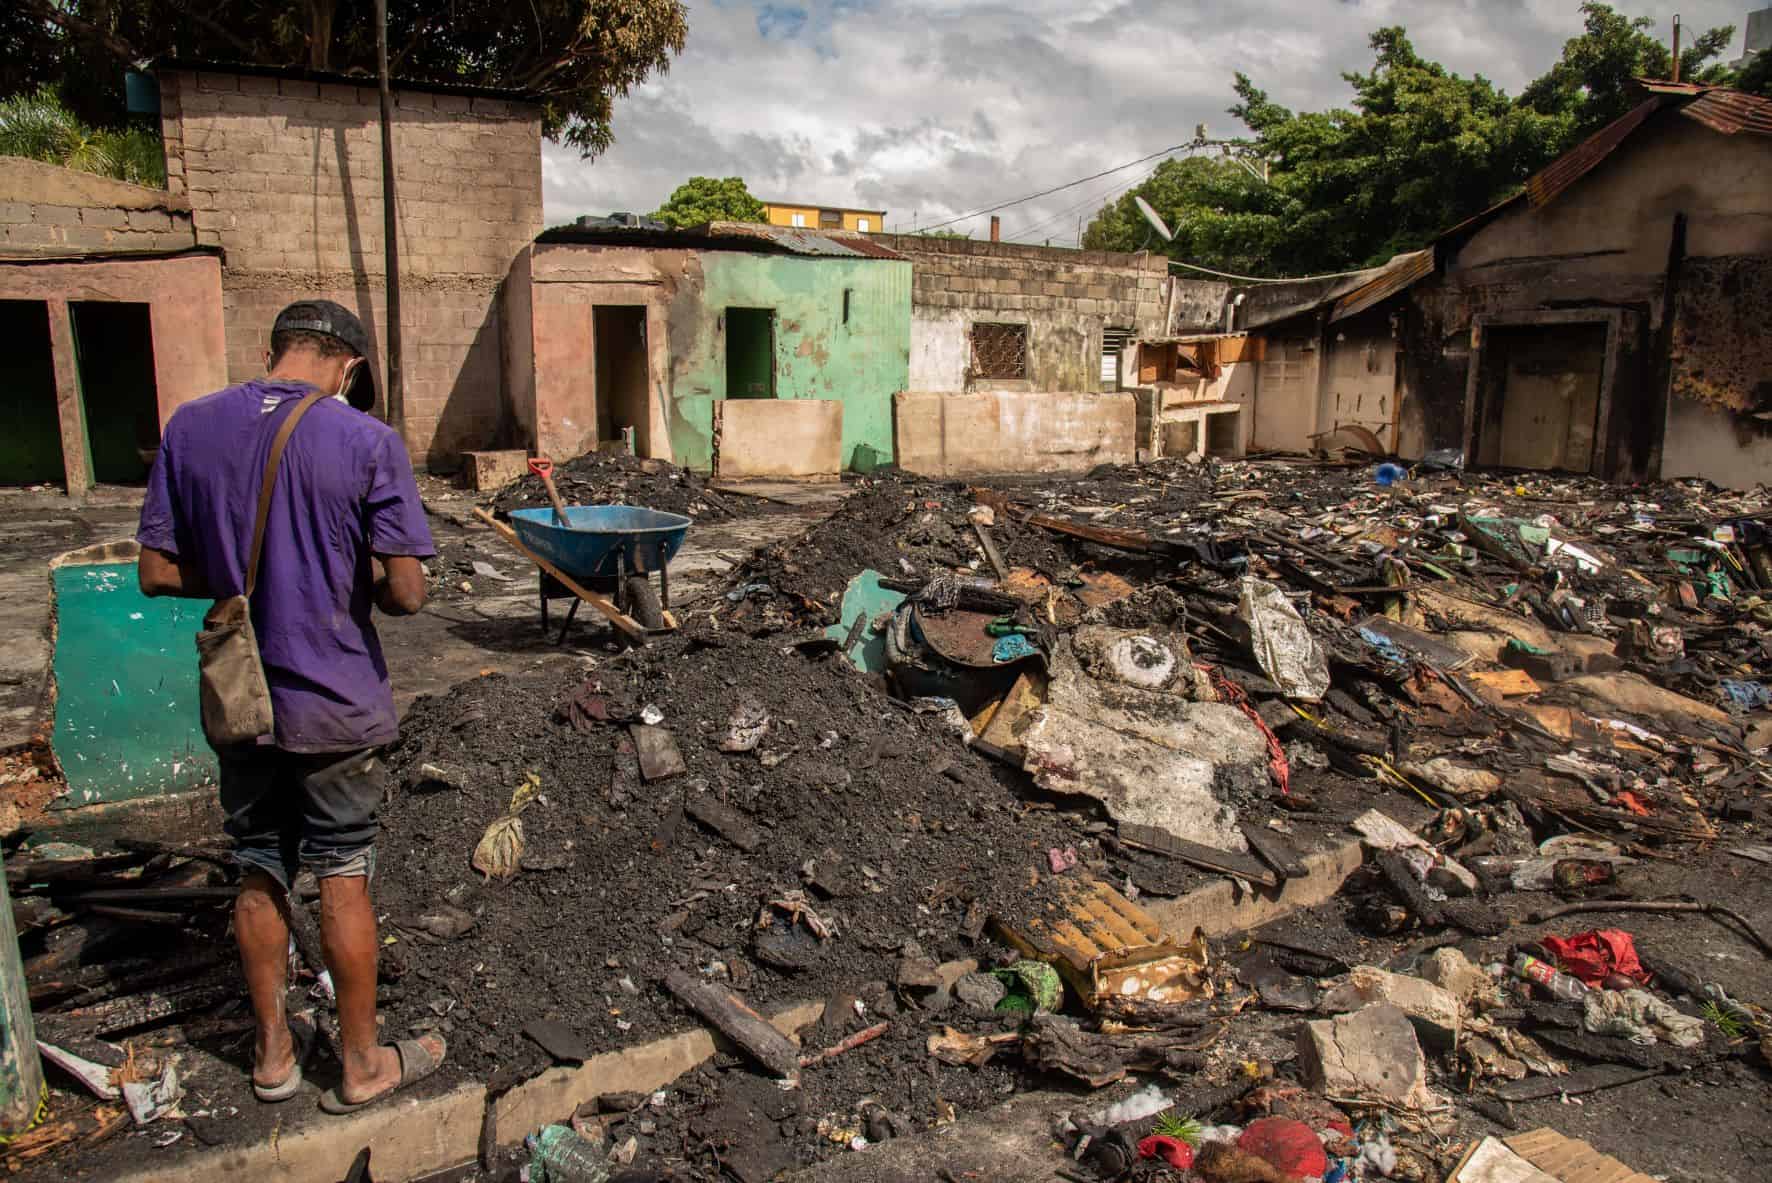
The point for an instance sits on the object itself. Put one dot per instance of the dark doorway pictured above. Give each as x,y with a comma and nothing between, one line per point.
619,333
1541,396
750,353
30,427
114,351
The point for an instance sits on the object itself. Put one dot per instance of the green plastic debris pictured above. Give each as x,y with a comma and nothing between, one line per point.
865,600
1519,646
1034,988
1720,587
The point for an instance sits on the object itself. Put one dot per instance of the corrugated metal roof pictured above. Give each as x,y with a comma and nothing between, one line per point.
1580,160
729,236
1730,111
1397,275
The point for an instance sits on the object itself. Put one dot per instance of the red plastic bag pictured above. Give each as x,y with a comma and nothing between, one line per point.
1173,1151
1595,956
1289,1145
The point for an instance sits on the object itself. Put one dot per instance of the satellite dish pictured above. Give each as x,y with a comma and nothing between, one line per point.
1154,218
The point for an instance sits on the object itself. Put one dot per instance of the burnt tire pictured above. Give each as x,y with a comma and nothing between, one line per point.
643,603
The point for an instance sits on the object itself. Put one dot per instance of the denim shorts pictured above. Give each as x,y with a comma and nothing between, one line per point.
289,810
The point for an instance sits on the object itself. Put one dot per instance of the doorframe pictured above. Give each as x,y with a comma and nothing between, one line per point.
1601,464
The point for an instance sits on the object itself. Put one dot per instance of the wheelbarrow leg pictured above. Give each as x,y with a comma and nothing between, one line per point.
541,590
664,579
567,627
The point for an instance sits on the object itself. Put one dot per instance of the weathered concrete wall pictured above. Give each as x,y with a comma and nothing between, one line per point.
1065,298
184,300
1606,243
48,210
1360,376
941,434
763,437
1286,390
1197,305
851,349
286,175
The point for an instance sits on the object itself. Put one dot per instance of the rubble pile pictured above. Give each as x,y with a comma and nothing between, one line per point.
616,478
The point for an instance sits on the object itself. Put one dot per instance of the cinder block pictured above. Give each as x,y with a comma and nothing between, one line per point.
257,86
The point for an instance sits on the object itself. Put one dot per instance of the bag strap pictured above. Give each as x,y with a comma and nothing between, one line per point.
272,463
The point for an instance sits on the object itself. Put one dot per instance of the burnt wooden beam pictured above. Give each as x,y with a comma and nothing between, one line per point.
722,1010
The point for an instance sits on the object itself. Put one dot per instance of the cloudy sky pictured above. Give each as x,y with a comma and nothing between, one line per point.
934,108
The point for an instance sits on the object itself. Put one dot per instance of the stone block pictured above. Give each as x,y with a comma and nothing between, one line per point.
109,218
1371,1054
1435,1011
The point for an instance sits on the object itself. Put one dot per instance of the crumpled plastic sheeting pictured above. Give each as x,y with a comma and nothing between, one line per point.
1289,655
1594,956
1640,1017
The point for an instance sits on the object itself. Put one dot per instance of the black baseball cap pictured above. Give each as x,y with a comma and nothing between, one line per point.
335,320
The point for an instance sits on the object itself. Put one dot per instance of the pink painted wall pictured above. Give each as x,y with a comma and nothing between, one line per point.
184,299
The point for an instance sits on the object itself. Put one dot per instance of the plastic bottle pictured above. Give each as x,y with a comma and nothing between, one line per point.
559,1155
1554,982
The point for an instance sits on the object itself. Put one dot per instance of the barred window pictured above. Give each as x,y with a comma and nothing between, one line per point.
1000,351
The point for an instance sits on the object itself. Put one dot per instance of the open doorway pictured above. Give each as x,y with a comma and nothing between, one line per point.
619,334
30,428
114,355
1541,401
750,353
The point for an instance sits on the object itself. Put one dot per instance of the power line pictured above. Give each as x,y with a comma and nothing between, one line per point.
1102,196
1260,279
1055,189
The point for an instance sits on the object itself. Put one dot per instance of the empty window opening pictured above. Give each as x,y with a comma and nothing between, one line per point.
799,221
114,352
864,225
750,353
30,428
1000,351
620,358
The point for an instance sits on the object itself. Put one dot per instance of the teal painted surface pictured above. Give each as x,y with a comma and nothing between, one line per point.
865,599
126,715
862,361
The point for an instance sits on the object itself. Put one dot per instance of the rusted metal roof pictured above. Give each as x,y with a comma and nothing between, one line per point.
1730,112
729,236
1582,159
1397,275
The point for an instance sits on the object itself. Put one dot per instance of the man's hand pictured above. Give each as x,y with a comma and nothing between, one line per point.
399,584
162,574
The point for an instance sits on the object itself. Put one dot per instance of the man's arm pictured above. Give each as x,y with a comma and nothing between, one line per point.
163,574
399,584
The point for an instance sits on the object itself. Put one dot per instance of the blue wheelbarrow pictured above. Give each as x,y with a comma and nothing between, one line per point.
603,555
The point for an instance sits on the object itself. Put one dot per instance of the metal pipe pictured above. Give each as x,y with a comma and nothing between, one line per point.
1676,47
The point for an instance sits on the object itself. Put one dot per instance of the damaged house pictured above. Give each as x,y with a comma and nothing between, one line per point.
1609,319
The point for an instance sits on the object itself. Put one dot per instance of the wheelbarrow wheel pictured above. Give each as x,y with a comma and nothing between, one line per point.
643,603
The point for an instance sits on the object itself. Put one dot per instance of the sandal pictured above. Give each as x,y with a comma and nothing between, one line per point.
270,1094
416,1063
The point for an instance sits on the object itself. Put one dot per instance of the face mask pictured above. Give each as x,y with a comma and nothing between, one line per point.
350,376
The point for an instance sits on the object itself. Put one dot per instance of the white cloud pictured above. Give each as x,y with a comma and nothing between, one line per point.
933,109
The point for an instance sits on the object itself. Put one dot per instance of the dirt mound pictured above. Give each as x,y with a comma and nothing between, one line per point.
616,478
890,828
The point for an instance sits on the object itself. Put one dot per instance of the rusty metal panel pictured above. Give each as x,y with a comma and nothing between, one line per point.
1731,112
1106,946
1398,275
1580,160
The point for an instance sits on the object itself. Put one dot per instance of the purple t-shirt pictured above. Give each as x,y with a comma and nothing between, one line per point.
344,490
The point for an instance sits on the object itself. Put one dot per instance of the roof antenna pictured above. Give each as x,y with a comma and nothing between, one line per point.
1676,47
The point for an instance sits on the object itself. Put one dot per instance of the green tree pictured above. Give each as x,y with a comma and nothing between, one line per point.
38,127
701,200
1221,213
576,56
1756,76
1592,83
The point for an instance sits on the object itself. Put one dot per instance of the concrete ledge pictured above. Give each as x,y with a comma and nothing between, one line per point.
782,437
1012,431
1216,908
430,1134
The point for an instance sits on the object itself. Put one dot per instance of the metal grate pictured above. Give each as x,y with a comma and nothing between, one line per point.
1000,351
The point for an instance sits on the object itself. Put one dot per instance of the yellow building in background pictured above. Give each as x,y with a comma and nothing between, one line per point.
824,217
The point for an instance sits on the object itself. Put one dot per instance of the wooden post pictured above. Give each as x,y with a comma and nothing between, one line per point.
21,1071
390,227
76,461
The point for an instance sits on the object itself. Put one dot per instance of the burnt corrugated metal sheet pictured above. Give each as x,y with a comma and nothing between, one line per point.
1730,112
729,236
1398,274
1580,160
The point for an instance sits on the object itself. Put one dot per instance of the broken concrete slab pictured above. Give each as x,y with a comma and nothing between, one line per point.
1434,1010
1152,756
1637,696
1371,1054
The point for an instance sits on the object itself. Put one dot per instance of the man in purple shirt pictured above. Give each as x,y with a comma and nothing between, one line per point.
346,533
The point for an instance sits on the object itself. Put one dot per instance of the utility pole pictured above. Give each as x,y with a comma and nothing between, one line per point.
390,227
1676,47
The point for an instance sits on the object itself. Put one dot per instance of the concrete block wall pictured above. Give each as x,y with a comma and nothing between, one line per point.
285,175
1065,297
46,210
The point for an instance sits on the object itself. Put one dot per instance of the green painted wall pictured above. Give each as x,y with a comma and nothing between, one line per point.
126,717
863,362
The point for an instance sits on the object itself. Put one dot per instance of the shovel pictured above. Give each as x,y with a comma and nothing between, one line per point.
542,467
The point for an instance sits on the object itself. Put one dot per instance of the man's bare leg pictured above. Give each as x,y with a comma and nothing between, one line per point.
347,935
261,927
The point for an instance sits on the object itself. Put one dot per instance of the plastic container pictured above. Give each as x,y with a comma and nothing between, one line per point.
1389,474
558,1155
1549,978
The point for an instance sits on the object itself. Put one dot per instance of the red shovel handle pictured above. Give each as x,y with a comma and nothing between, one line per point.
541,466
